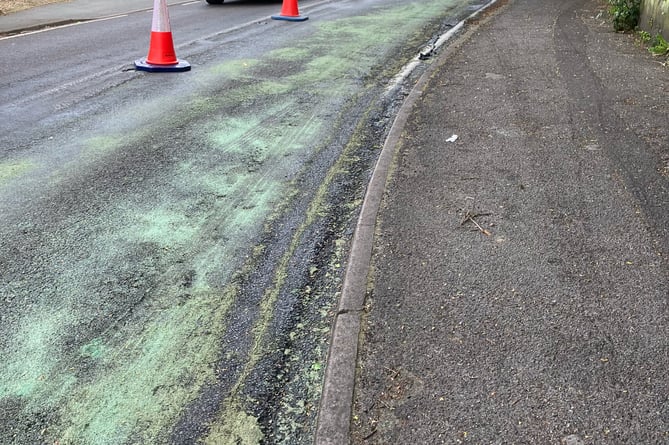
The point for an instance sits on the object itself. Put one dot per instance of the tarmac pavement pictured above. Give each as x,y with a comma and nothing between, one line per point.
519,283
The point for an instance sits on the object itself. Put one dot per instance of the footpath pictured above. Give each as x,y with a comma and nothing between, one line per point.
55,14
519,285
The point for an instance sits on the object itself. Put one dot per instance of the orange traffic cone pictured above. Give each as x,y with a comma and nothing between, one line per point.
289,12
161,47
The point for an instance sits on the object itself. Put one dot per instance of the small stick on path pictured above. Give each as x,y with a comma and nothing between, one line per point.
470,217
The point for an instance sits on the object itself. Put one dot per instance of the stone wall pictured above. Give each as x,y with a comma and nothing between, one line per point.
655,17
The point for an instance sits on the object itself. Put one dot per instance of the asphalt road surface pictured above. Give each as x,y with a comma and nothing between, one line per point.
171,245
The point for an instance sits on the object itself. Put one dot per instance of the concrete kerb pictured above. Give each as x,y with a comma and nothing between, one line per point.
334,418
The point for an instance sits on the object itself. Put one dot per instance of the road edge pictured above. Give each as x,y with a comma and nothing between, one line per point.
334,415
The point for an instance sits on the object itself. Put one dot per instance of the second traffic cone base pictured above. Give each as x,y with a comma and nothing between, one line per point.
143,65
290,18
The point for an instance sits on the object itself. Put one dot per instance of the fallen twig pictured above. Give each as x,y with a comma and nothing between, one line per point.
370,434
470,217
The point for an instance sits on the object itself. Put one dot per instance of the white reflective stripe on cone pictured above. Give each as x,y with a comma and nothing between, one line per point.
161,18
